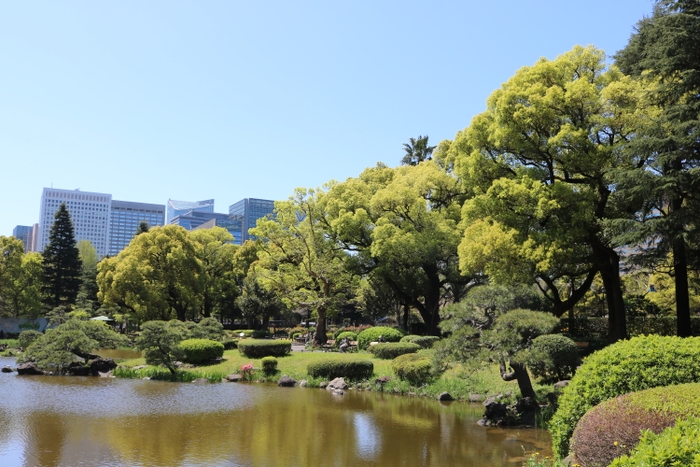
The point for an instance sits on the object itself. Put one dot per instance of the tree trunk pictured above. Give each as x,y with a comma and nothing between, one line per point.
680,272
520,374
609,266
406,315
320,336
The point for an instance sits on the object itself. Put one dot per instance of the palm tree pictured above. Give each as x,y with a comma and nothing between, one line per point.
417,151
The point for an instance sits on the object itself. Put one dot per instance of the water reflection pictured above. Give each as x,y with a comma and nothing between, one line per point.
62,421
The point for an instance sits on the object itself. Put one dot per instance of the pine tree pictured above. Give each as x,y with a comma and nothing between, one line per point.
61,266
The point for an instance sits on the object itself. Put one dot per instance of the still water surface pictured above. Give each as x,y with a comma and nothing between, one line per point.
83,421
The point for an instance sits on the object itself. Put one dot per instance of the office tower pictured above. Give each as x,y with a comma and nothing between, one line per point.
177,208
217,220
125,217
247,211
89,213
24,233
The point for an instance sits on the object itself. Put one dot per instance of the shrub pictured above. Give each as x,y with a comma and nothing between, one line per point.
351,369
27,337
208,328
253,348
416,368
627,366
349,335
244,333
552,357
614,427
260,334
269,364
393,349
679,445
230,344
372,335
424,341
200,350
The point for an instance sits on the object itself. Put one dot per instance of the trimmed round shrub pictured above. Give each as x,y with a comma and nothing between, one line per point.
200,350
208,328
293,333
254,348
552,358
27,337
416,368
640,363
349,335
269,364
230,344
614,427
424,341
679,445
351,369
260,334
392,350
372,335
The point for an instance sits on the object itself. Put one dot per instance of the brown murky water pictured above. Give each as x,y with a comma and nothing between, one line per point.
74,421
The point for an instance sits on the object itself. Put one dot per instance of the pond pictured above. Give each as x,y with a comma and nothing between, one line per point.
70,421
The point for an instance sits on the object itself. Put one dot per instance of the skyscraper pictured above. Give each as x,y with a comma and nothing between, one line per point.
125,217
24,233
177,208
247,211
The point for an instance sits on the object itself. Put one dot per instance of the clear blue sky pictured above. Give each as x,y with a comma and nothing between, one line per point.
191,100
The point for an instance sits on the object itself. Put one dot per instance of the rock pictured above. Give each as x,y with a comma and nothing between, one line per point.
411,393
78,369
562,384
200,380
339,392
303,383
323,384
382,380
233,377
7,369
527,408
102,365
286,382
338,383
476,398
29,368
139,367
445,396
146,378
496,413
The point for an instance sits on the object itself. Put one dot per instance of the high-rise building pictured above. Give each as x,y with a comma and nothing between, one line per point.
247,211
223,221
24,233
125,217
89,213
177,208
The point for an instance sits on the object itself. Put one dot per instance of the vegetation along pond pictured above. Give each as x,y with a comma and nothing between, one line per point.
71,421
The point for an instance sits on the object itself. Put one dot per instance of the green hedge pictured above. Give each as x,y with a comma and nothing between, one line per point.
424,341
614,427
552,358
416,368
200,350
230,344
351,369
269,364
393,349
351,336
254,348
627,366
676,446
372,335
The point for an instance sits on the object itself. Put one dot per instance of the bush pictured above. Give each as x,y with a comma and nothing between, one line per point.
393,349
293,333
230,344
424,341
614,427
269,364
208,328
27,337
679,445
627,366
244,333
253,348
349,335
260,334
416,368
351,369
372,335
200,350
552,358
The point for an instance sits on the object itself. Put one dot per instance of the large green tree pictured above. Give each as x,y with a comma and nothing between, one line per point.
61,262
20,279
664,54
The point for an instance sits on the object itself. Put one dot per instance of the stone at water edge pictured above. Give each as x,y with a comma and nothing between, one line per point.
29,368
445,396
286,382
7,369
338,383
200,380
233,378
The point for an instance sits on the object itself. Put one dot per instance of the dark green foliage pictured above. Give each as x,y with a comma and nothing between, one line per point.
552,358
640,363
261,334
416,368
208,328
392,350
230,344
254,348
269,364
61,265
372,335
424,341
676,446
417,150
351,369
201,350
142,228
159,340
614,427
27,337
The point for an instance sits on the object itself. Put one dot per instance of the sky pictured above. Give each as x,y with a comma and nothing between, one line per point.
193,100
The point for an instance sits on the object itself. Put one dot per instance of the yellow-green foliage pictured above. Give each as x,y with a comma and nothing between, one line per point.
372,335
392,350
200,350
416,368
254,348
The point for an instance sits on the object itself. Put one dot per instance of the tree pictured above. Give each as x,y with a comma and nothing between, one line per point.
61,262
159,340
142,228
256,301
663,54
20,279
417,151
87,294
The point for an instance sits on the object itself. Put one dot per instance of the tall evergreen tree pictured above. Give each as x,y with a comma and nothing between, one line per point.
62,266
142,228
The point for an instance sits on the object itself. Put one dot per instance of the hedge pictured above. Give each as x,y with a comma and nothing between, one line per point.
679,445
416,368
351,369
424,341
254,348
269,364
614,427
627,366
552,358
349,335
200,350
393,349
372,335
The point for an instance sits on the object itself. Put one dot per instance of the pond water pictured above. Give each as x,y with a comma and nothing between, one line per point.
84,421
